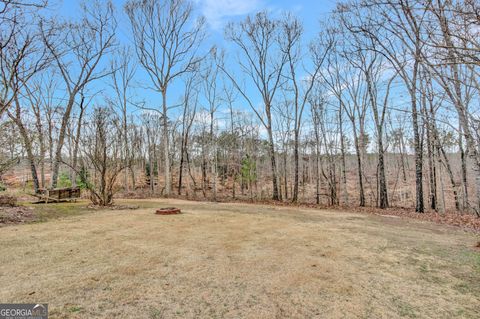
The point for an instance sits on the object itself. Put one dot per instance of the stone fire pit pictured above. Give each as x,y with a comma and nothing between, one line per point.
168,211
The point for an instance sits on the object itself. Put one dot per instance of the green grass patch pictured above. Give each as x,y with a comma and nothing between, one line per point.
75,309
45,212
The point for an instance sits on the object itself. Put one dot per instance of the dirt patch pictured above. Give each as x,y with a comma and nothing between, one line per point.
8,201
168,211
113,207
16,215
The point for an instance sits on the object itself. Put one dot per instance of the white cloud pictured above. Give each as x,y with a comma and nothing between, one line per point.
217,12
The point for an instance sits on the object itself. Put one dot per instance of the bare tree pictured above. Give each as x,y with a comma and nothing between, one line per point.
76,136
28,139
284,123
262,60
328,140
371,65
345,82
22,54
122,78
102,154
77,49
395,29
212,92
190,101
151,126
451,60
166,42
292,47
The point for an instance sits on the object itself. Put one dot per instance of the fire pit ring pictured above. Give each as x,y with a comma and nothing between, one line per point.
168,211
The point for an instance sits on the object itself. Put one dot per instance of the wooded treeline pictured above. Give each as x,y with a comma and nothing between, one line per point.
385,96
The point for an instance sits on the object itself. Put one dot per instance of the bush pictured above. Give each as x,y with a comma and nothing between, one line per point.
82,178
64,181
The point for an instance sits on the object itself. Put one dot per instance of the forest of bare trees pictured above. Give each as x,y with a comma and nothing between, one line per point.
380,108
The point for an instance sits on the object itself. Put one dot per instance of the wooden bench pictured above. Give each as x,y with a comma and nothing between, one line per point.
58,195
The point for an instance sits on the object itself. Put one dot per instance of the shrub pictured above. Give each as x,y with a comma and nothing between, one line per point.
64,181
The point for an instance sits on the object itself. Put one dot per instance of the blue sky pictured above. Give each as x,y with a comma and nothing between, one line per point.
217,14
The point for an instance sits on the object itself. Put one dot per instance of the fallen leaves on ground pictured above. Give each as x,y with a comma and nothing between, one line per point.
466,221
16,215
463,220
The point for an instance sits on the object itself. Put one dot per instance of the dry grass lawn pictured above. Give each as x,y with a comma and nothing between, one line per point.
239,261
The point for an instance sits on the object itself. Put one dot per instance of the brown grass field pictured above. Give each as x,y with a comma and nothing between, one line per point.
238,261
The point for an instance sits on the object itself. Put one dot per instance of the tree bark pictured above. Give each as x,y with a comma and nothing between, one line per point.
77,142
360,171
27,142
61,139
166,138
296,162
463,159
271,149
382,181
419,204
343,157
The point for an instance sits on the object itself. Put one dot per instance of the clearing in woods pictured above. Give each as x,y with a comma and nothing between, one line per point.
239,261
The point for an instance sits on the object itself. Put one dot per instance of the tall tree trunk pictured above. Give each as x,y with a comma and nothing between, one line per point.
204,176
271,149
431,146
77,142
151,169
180,168
432,173
442,187
42,154
285,173
61,139
234,185
214,157
379,119
27,142
317,157
317,177
166,138
343,157
182,156
455,95
296,163
382,182
402,157
473,153
127,153
42,147
30,157
463,159
450,176
360,171
419,204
